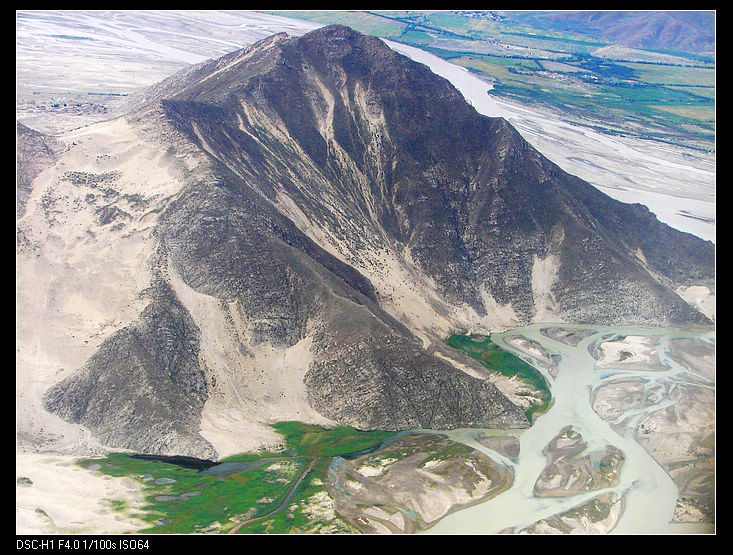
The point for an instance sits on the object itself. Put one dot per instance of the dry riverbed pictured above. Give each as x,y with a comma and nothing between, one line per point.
671,417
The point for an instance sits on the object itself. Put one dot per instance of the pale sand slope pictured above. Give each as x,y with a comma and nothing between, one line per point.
78,281
78,278
250,387
65,498
701,297
544,274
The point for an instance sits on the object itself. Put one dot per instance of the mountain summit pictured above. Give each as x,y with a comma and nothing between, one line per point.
332,211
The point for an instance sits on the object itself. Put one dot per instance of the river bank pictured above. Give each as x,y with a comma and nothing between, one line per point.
650,493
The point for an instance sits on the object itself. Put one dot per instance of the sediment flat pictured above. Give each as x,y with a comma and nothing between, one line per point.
569,336
571,469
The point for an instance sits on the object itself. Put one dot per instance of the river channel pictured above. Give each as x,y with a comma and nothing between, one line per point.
650,494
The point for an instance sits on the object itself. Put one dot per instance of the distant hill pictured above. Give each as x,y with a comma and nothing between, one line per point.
686,31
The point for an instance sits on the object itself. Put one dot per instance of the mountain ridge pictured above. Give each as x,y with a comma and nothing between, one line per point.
338,211
688,31
420,143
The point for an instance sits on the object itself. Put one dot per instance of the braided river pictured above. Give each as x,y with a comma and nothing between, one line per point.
649,493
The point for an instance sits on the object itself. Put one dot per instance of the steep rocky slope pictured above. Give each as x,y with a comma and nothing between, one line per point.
333,210
34,153
377,157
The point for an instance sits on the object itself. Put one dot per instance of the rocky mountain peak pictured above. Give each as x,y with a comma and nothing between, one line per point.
356,211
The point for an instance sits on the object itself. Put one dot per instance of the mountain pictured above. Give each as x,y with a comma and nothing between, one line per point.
291,231
686,31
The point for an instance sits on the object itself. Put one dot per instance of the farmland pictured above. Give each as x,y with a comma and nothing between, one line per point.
668,97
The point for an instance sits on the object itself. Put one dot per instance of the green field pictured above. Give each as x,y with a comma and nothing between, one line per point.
498,360
314,441
559,70
673,75
298,516
187,500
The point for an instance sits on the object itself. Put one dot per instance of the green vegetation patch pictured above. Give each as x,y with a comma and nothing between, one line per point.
180,499
310,440
498,360
309,510
184,500
699,113
315,441
673,75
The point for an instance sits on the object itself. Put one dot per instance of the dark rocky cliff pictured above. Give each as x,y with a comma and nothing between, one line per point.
474,201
